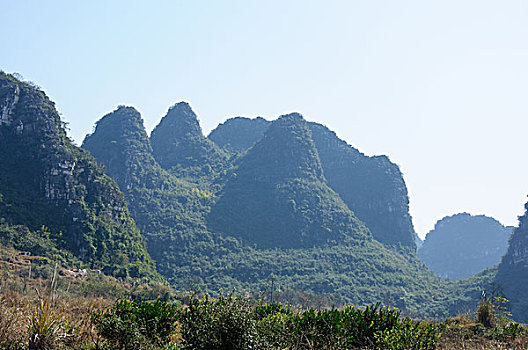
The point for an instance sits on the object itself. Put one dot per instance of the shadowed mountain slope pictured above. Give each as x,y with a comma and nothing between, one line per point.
372,187
237,135
279,184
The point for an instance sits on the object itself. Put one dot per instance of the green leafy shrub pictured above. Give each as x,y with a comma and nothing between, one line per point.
225,323
137,324
409,335
349,328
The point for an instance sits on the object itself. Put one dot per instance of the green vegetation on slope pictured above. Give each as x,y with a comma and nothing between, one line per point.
277,195
169,212
180,146
372,187
512,276
46,181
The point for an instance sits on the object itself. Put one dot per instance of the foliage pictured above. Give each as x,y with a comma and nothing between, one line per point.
224,323
137,324
45,327
409,334
371,327
233,323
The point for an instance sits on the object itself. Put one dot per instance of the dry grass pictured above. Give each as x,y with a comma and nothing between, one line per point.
463,332
62,323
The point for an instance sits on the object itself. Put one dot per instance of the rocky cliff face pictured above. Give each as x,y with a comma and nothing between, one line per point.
180,146
46,180
462,245
517,254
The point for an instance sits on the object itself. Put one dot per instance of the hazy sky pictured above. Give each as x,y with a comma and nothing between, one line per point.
441,87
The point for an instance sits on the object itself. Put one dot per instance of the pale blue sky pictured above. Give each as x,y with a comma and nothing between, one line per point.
439,86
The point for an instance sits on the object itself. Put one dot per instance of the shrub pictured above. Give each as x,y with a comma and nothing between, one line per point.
350,328
137,325
409,335
225,323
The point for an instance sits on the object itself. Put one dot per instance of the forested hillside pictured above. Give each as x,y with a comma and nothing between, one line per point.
512,277
58,191
274,213
372,187
169,212
180,146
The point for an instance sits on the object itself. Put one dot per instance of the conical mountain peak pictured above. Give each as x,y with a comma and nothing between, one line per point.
180,121
285,151
122,144
180,146
279,184
82,208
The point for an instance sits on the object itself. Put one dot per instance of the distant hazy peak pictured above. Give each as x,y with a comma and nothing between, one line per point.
462,245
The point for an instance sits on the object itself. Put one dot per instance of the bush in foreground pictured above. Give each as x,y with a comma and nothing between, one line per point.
130,325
